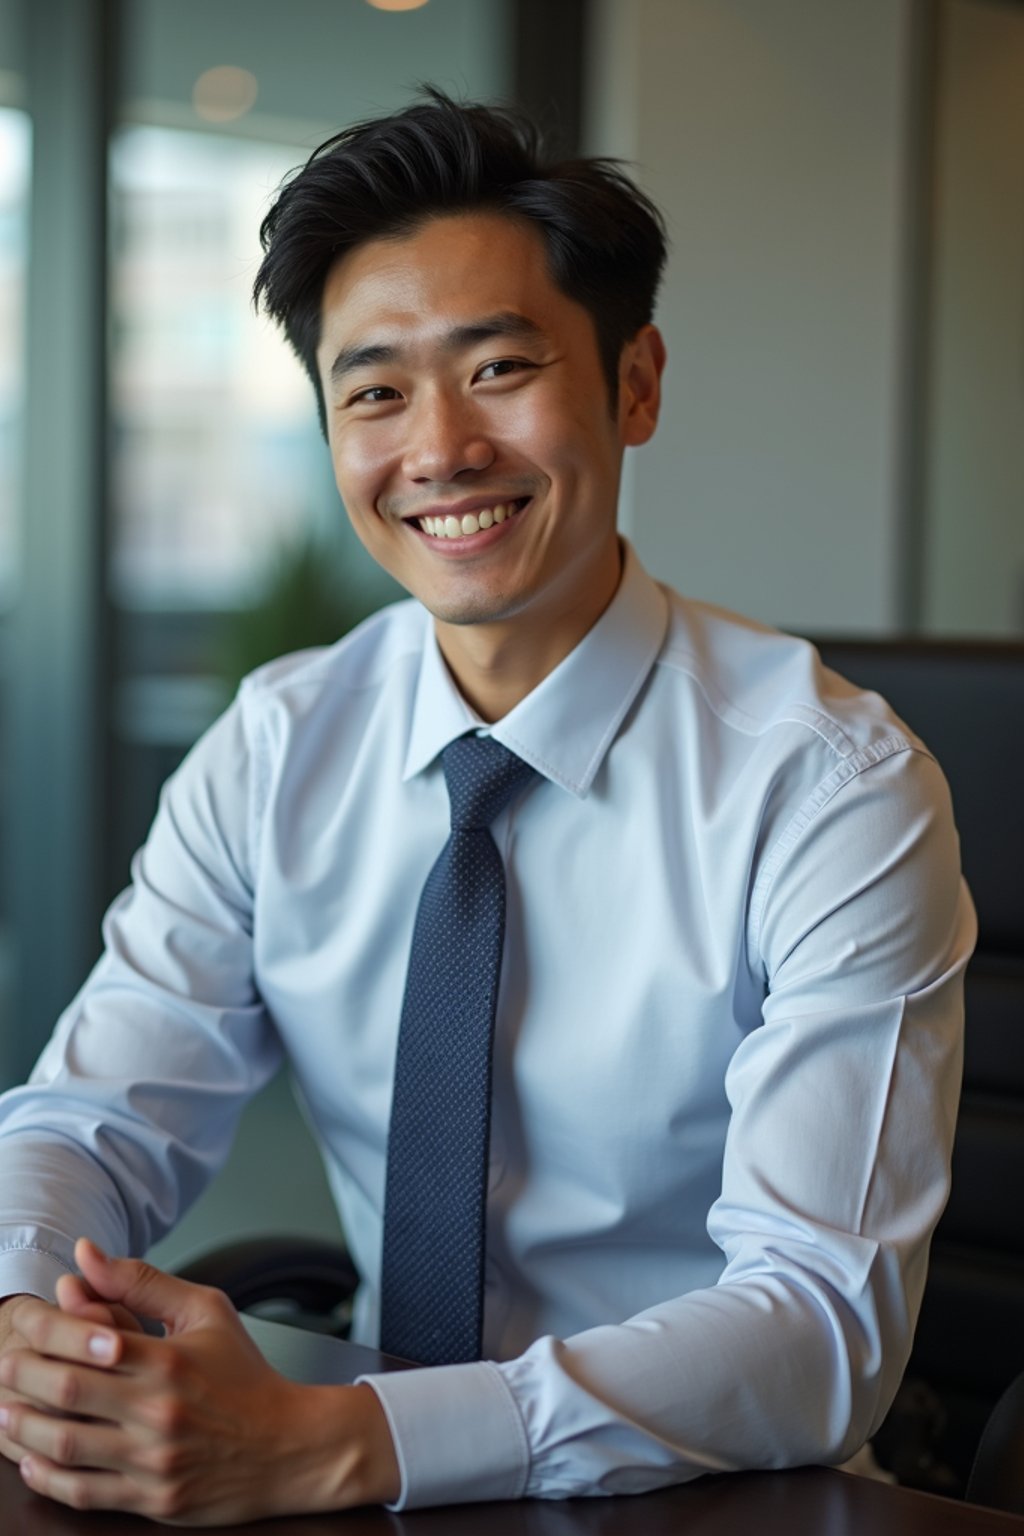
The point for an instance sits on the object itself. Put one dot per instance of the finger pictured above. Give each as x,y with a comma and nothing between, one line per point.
49,1331
78,1489
78,1299
145,1291
58,1386
26,1307
66,1442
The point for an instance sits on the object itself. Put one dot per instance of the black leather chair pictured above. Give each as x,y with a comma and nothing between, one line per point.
997,1476
966,700
306,1281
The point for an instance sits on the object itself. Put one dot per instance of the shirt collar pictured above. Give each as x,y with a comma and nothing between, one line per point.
564,727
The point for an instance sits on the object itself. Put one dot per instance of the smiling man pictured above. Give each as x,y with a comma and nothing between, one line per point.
639,1117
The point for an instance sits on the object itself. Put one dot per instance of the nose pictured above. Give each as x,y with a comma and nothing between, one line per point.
444,437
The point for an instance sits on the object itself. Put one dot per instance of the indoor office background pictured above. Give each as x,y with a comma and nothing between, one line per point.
843,444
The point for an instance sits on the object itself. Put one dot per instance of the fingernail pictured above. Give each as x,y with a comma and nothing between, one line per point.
26,1469
102,1346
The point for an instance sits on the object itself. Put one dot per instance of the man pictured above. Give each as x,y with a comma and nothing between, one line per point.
727,1028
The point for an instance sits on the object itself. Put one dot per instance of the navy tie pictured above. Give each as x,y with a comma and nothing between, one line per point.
434,1204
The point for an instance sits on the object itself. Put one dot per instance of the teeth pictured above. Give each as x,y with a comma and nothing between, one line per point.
471,522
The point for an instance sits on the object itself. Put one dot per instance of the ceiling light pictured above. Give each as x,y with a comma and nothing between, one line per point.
396,5
222,94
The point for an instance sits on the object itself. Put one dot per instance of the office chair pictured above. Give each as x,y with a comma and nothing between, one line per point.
306,1281
966,700
997,1476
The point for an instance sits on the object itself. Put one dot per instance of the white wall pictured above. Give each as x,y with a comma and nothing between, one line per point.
774,134
974,571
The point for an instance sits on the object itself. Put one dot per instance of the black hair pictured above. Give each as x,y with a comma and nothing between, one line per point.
605,239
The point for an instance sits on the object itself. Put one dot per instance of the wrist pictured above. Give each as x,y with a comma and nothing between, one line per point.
345,1432
8,1308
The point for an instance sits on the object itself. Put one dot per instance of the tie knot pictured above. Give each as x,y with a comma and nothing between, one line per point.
482,777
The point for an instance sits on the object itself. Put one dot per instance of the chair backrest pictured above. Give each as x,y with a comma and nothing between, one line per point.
966,701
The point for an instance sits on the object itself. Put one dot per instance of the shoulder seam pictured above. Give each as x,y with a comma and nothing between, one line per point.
823,726
845,771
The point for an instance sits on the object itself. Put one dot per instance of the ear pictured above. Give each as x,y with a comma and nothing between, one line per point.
640,368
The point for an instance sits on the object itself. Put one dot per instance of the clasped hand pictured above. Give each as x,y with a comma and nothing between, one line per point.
194,1428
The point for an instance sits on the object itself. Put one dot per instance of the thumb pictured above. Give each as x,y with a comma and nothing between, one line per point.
142,1289
78,1299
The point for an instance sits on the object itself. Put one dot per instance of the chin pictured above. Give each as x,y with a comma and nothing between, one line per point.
481,608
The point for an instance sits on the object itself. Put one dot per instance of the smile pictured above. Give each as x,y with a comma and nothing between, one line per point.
451,527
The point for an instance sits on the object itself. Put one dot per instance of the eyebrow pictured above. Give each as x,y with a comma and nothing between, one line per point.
458,339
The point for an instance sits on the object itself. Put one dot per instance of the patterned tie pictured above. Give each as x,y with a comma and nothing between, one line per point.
432,1274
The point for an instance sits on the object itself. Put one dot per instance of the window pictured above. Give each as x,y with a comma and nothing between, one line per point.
218,457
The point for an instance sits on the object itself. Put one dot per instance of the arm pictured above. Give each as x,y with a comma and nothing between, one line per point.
133,1104
835,1171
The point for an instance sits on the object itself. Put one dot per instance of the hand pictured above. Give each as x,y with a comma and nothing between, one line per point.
79,1298
194,1428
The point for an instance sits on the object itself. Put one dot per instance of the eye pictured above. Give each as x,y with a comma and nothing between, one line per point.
377,394
502,366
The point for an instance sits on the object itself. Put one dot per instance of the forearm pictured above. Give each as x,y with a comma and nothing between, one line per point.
52,1191
761,1374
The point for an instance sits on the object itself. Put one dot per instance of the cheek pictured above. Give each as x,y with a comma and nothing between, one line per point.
542,433
360,466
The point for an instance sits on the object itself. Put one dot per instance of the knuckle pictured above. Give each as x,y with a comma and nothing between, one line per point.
165,1414
77,1493
219,1302
169,1503
65,1390
165,1460
64,1445
167,1366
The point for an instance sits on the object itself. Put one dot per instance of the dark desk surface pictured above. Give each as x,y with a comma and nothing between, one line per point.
813,1501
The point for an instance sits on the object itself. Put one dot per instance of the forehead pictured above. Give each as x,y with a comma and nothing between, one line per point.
448,270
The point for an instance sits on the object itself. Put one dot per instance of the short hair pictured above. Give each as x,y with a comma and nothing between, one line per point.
604,238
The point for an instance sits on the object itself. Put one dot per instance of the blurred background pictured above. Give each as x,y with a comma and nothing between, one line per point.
842,450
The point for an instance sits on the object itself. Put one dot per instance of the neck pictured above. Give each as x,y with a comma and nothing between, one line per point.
496,665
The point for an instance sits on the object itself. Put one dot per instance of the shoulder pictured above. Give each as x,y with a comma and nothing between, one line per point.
372,659
752,681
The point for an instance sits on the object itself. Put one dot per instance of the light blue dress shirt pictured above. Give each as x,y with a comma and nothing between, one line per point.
727,1054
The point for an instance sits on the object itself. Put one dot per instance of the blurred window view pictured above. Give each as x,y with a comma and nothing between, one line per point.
14,182
217,453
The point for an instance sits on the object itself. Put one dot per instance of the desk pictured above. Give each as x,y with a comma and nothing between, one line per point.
813,1501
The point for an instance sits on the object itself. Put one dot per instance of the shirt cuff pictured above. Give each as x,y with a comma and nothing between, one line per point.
458,1434
31,1271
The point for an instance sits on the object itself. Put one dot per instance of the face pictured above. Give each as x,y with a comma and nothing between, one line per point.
470,429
